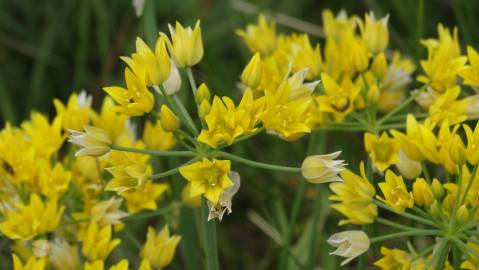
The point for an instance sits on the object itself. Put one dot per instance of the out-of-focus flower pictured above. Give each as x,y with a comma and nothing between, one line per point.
144,198
261,37
93,141
155,137
375,33
383,150
224,204
159,249
202,93
27,221
252,73
349,244
393,259
208,177
121,265
32,263
471,73
76,113
395,193
41,248
97,242
354,198
127,178
322,168
186,45
63,255
339,99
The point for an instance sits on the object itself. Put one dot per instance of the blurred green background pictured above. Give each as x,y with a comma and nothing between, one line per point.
50,48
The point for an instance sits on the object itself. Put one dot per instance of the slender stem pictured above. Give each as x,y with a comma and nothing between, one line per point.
191,79
154,152
394,224
209,231
242,138
469,185
407,233
186,115
405,214
289,231
425,172
165,173
132,238
257,164
458,195
456,257
401,106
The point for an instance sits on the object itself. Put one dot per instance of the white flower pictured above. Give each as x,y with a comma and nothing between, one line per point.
173,83
63,255
94,141
224,204
322,168
407,167
108,212
84,100
139,6
349,244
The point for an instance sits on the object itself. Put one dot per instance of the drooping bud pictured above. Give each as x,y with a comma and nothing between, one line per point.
349,244
322,168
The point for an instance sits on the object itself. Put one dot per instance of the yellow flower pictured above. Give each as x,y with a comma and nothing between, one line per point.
349,244
471,73
97,242
422,192
54,182
159,249
444,61
202,93
46,137
186,45
31,264
76,113
286,110
208,177
121,265
128,178
339,26
113,123
135,99
28,221
395,193
144,198
354,198
261,37
169,121
394,259
94,141
155,137
383,150
473,261
191,201
339,99
447,107
375,33
472,149
96,265
301,54
252,73
226,121
145,265
173,83
103,212
322,168
155,65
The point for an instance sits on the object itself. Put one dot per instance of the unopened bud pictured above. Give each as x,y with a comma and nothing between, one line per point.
252,73
422,192
169,121
437,189
435,209
203,93
462,214
204,108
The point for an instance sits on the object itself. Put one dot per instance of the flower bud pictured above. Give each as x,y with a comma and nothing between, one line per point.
173,83
204,108
375,33
191,201
437,189
407,167
322,168
186,45
462,215
422,192
350,244
163,60
435,209
169,121
252,73
202,93
457,151
373,94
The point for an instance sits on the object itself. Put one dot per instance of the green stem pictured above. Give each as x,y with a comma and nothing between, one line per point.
394,224
425,172
155,213
257,164
209,231
186,115
244,137
289,231
191,79
407,233
456,257
154,152
469,185
407,215
401,106
459,187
